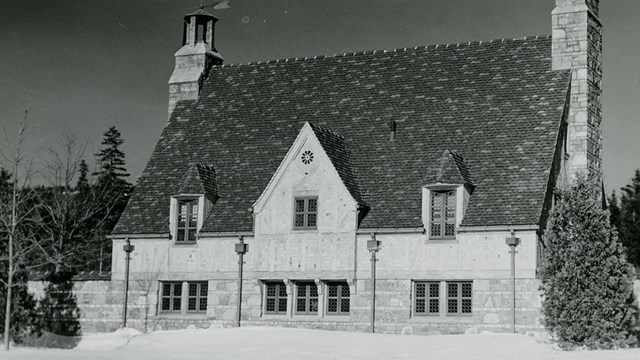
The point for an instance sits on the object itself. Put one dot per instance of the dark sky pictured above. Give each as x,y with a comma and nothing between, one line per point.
81,66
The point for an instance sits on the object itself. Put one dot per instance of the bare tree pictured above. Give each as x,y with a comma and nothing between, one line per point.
18,218
73,215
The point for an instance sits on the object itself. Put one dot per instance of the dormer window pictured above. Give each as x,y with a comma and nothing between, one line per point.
187,224
445,197
443,214
186,217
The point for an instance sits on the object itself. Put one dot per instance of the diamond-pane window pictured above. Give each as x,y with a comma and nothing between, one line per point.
275,298
338,298
427,298
443,215
171,297
306,298
197,297
459,298
187,221
306,213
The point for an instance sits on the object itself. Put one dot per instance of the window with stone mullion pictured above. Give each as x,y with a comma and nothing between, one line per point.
197,298
427,298
171,297
275,298
459,298
338,299
307,298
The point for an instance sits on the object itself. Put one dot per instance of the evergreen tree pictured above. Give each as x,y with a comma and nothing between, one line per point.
24,318
111,159
630,219
58,308
111,178
587,284
614,210
83,179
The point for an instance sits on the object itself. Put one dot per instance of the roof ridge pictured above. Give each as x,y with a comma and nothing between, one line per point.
326,130
385,51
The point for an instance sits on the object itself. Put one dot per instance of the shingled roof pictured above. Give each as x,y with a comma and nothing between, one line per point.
452,170
497,103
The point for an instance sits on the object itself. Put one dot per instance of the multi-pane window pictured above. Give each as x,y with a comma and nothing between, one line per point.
187,221
338,298
171,297
197,298
459,296
305,213
275,298
443,214
427,298
306,298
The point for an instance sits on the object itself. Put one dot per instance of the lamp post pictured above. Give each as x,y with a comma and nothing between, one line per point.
373,246
128,248
513,242
241,249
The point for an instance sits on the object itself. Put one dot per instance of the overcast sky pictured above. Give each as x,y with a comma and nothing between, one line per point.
81,66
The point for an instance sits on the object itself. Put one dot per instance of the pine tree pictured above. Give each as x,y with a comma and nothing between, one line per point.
58,308
24,319
83,179
587,284
111,159
614,210
630,219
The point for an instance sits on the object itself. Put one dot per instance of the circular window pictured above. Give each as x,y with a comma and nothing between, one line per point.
307,157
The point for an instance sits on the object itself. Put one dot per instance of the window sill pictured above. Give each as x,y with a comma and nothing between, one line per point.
428,240
441,319
180,316
190,243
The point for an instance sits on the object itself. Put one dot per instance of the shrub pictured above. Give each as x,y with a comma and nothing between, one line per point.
587,284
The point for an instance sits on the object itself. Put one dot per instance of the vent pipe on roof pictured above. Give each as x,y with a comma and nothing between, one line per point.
392,128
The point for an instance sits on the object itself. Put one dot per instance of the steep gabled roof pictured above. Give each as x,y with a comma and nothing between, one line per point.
498,103
452,170
200,179
338,152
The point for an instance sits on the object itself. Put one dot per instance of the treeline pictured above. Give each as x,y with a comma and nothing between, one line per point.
59,227
625,216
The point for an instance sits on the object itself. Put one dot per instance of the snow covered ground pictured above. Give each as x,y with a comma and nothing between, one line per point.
282,343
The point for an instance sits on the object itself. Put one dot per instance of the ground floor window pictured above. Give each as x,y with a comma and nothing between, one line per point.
306,298
338,298
197,297
435,297
427,298
459,298
172,299
275,298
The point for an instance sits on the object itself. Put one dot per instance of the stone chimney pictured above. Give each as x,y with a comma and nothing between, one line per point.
577,45
194,59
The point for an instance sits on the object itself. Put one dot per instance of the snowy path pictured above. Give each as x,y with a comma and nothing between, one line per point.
281,343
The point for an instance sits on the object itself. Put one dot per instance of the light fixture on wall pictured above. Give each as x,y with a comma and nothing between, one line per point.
373,246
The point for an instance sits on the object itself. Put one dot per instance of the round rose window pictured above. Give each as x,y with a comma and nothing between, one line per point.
307,157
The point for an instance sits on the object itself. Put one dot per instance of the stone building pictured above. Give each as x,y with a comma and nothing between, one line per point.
441,153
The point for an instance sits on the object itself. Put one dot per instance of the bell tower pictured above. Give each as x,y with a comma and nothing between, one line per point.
577,45
195,57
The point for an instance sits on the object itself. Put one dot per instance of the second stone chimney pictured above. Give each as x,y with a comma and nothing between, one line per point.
194,59
577,45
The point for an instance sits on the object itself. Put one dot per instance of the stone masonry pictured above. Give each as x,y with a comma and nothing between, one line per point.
577,45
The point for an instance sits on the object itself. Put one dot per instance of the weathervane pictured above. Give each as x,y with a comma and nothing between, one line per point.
220,5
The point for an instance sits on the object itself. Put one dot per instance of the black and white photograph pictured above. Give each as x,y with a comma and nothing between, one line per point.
319,179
